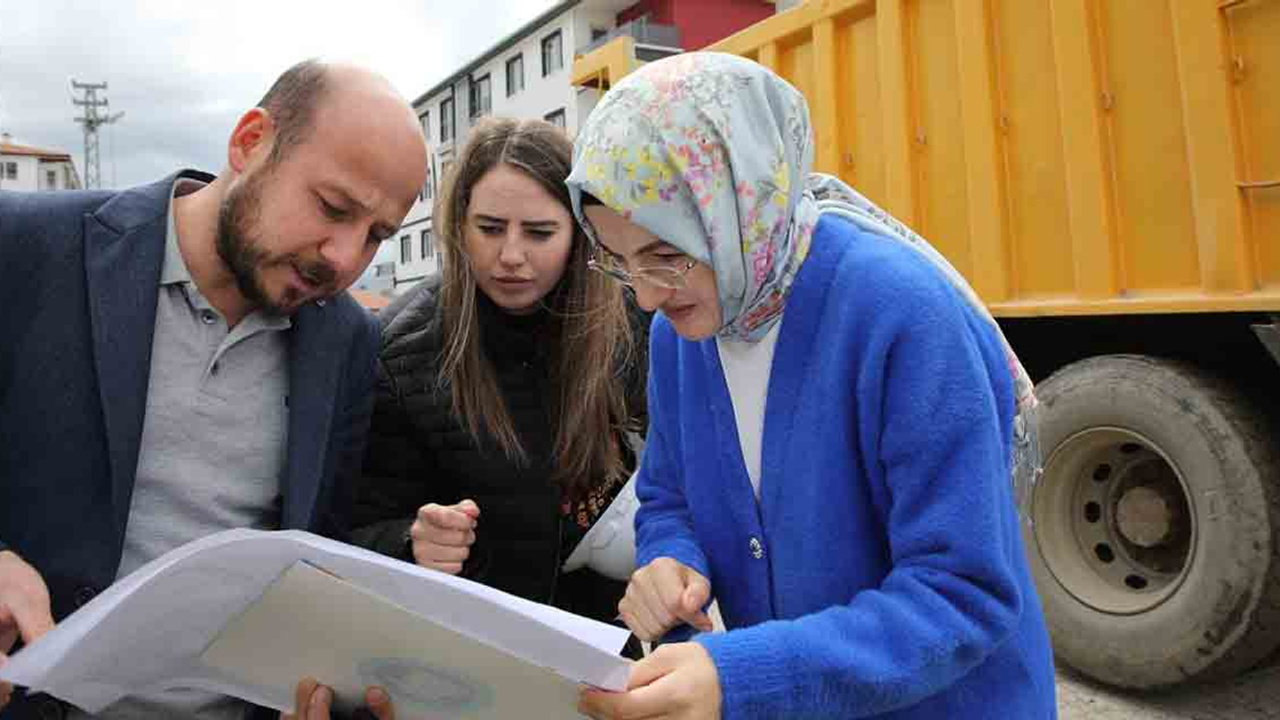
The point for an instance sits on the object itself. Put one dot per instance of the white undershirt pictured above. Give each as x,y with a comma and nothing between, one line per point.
746,372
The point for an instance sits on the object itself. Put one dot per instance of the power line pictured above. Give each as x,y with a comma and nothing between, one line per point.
91,121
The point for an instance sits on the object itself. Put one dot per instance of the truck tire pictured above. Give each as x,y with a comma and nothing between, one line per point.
1155,531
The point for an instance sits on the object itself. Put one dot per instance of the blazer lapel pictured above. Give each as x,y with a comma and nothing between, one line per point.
315,356
124,248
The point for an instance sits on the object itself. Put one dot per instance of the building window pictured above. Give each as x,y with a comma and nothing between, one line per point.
51,179
428,188
428,249
515,75
446,120
11,171
556,118
426,125
406,250
597,33
481,97
552,53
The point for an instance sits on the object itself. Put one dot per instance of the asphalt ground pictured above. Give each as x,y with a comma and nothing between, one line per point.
1253,696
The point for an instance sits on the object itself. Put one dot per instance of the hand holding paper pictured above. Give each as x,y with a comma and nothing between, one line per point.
247,613
676,681
24,608
313,701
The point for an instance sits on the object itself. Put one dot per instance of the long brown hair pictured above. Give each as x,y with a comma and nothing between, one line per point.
593,340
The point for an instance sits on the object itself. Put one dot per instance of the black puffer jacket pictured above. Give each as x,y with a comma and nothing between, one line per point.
418,453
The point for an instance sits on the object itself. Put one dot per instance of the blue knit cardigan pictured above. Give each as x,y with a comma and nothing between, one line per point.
881,573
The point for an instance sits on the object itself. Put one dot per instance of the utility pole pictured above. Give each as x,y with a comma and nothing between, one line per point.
92,120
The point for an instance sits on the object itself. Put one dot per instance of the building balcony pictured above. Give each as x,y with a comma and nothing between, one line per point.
649,38
615,54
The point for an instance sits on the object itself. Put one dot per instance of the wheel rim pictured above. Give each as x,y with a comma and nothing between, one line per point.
1112,521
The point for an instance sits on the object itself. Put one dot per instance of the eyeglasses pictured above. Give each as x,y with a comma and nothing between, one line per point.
668,275
671,277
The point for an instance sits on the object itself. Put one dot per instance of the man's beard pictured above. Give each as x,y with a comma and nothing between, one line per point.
240,248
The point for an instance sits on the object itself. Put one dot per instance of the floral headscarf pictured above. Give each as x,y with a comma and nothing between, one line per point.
709,152
712,153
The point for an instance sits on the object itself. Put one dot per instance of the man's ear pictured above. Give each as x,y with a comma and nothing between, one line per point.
253,136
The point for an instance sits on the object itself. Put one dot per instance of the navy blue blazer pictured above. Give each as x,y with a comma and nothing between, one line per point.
79,278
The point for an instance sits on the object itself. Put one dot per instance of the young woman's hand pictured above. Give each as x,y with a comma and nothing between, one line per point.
662,595
442,535
676,681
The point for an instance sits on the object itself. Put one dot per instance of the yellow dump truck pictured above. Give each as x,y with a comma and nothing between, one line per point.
1106,173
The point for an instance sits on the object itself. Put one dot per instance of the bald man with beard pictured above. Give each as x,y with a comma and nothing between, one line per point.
182,358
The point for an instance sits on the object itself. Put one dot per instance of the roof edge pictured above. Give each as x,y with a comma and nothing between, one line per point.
502,46
27,150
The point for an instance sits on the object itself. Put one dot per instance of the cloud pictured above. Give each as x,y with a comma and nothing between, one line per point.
183,72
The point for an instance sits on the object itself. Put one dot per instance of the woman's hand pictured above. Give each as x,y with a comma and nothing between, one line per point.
662,595
441,536
676,681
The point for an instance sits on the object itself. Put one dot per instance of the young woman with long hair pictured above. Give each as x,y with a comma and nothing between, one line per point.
508,384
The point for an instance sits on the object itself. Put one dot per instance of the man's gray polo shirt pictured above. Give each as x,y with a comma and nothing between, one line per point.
213,441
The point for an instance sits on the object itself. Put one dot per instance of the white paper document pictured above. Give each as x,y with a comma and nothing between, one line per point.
609,547
248,613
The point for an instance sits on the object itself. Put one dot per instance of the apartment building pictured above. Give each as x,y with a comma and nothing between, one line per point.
527,75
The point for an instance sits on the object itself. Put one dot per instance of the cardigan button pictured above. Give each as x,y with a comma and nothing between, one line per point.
757,550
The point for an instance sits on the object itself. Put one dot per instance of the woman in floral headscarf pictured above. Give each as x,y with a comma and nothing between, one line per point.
834,422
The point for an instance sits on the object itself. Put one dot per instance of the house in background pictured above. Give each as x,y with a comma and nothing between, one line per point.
31,168
527,75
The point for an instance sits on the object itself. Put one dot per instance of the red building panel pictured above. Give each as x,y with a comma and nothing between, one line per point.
701,22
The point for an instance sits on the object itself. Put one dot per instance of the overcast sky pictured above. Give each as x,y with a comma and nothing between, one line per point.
183,71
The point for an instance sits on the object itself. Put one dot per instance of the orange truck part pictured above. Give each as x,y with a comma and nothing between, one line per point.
1070,157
